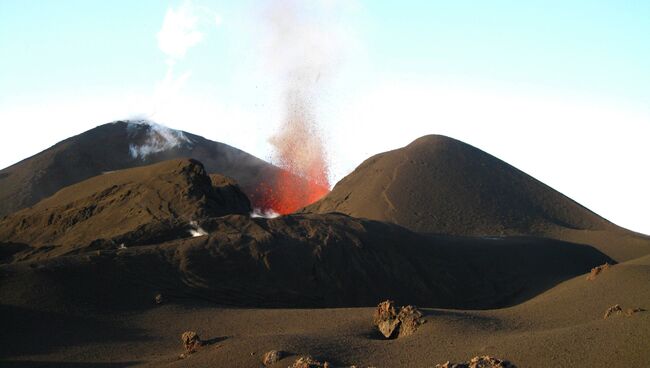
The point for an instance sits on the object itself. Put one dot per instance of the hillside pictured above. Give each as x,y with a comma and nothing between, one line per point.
126,144
142,205
440,185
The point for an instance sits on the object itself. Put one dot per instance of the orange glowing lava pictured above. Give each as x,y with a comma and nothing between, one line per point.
303,55
299,150
288,193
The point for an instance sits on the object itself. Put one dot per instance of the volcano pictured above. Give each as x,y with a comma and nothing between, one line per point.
112,269
127,144
172,227
441,185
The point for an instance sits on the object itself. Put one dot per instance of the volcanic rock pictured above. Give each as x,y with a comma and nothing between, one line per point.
385,311
385,318
309,362
618,310
613,309
191,341
597,270
410,319
479,362
272,357
388,321
489,362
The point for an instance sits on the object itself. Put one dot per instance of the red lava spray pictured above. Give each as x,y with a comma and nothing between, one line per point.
302,51
300,151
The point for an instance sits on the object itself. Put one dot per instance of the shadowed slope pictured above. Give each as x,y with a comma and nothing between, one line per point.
437,184
70,244
301,261
142,205
563,327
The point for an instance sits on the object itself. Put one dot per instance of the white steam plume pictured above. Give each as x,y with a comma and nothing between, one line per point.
196,230
261,213
159,138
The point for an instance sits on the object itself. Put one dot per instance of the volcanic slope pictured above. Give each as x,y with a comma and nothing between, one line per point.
93,303
135,224
299,261
122,145
142,205
440,185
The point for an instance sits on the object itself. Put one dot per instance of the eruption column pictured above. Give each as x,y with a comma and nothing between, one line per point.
303,53
300,151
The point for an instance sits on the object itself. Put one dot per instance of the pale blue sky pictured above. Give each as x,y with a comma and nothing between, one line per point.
593,46
523,80
585,46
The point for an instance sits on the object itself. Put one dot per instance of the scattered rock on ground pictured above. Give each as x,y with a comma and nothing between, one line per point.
272,356
309,362
596,270
616,309
410,318
385,310
479,362
389,322
191,341
385,318
612,310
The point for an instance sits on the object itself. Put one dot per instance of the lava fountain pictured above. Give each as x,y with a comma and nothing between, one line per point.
300,151
303,53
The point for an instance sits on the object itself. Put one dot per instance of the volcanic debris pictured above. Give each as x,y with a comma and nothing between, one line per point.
272,356
309,362
389,322
596,270
614,309
485,361
191,342
617,309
